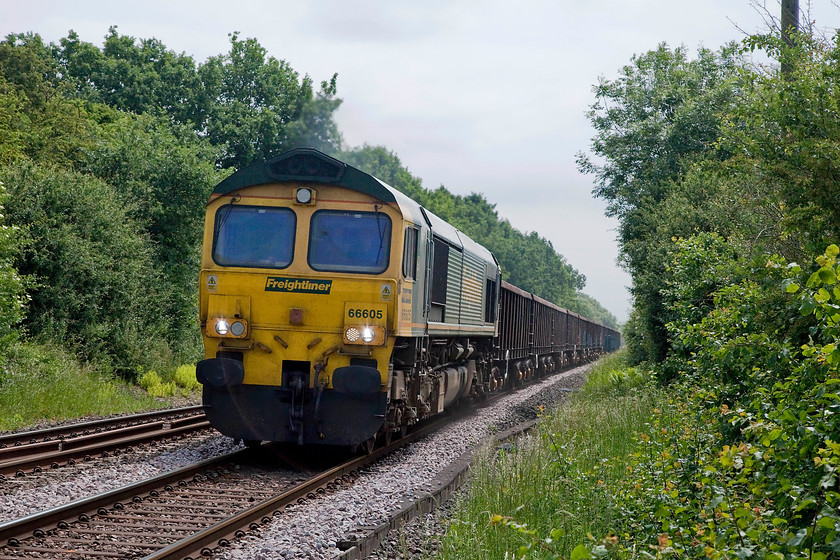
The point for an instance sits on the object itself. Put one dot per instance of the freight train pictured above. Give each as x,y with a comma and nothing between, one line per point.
335,310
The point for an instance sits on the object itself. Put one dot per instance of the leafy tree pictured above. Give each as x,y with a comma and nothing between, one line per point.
385,165
256,106
249,105
40,122
528,261
787,132
13,124
167,174
590,307
138,77
661,117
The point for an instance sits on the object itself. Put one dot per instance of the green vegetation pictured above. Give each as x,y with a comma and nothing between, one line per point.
183,382
737,457
42,382
527,260
543,497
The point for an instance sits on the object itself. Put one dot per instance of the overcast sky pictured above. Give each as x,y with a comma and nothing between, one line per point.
480,96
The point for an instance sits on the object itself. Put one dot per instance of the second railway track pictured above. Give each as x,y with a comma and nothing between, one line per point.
52,447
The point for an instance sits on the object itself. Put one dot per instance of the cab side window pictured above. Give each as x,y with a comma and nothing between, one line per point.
410,254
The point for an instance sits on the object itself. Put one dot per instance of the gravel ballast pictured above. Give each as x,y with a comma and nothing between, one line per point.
54,487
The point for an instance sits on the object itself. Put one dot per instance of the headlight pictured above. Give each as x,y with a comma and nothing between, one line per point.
365,334
219,327
368,335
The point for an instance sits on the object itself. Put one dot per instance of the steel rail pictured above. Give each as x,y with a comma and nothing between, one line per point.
57,517
34,456
72,430
13,534
214,536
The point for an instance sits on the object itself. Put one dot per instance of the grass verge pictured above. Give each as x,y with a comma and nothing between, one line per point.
41,382
545,497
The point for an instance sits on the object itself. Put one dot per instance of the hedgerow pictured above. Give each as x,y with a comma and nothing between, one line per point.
743,460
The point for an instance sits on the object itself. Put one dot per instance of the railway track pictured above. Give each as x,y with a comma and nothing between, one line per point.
189,513
52,447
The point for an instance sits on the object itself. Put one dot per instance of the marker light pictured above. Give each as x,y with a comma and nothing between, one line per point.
222,327
352,334
368,335
237,328
303,196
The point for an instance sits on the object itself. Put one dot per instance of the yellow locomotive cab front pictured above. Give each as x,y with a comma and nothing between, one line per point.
298,305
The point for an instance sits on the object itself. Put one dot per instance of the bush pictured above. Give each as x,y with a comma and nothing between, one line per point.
96,286
185,377
44,382
744,462
12,286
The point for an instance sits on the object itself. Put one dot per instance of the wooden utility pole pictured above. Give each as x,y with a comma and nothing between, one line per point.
790,25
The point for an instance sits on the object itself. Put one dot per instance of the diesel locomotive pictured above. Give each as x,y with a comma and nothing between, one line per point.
335,310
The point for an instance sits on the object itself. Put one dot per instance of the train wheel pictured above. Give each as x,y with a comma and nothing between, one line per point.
388,436
369,445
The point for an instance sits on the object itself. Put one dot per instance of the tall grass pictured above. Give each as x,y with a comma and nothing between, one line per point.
40,382
543,497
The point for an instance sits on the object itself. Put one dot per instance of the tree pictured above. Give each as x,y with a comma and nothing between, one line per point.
787,134
39,122
660,119
256,106
167,174
138,77
96,283
249,105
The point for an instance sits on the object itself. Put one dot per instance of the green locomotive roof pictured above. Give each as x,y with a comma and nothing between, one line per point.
306,165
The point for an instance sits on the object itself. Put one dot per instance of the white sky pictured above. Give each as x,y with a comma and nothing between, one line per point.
481,96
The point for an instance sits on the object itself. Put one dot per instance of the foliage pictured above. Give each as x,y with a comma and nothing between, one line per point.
166,175
41,382
185,377
717,145
96,284
13,286
737,458
656,122
788,132
743,461
588,306
157,385
40,122
248,105
541,496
